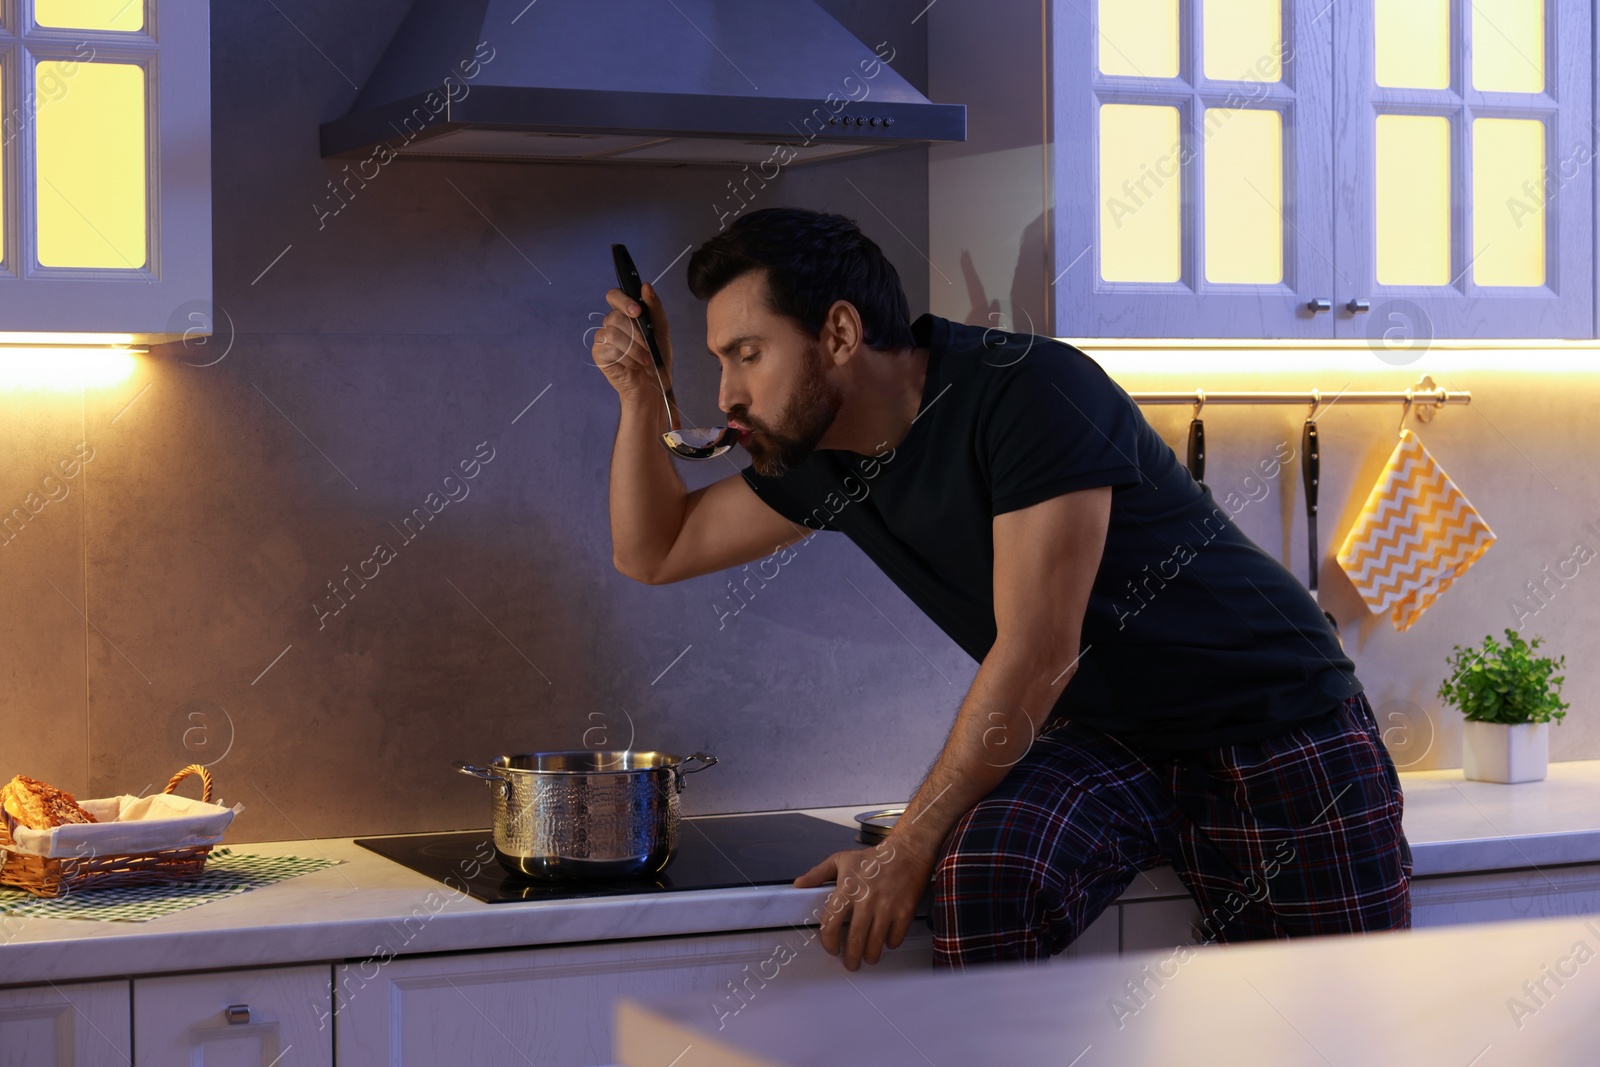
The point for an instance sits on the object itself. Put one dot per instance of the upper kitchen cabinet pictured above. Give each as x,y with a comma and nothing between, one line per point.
105,172
1193,168
1464,153
1314,170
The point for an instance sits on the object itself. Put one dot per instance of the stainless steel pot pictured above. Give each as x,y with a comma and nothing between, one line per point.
586,815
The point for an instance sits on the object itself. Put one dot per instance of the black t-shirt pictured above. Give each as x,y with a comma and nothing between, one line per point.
1193,637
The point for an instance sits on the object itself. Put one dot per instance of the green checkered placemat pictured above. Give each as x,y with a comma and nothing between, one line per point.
227,873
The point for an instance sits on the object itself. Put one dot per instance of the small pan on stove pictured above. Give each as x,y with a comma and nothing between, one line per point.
875,825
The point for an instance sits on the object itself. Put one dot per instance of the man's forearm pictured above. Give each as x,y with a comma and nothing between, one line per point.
647,496
1015,688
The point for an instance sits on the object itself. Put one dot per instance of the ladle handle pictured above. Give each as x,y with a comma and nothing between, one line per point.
629,282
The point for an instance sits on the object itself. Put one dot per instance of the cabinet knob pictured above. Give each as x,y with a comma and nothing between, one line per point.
1320,305
236,1013
1359,307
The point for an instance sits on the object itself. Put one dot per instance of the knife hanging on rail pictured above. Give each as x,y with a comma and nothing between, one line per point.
1197,446
1311,475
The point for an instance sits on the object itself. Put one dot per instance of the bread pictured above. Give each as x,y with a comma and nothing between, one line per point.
37,806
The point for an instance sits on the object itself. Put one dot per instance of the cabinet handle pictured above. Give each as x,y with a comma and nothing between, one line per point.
1320,305
1359,307
236,1013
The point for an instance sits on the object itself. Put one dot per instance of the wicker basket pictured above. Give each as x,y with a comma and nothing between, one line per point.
53,877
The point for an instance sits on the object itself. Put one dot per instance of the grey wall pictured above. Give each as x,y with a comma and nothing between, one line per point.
377,353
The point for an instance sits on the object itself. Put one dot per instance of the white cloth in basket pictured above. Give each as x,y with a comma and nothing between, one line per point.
130,824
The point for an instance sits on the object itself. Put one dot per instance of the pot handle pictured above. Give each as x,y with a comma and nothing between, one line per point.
705,761
487,774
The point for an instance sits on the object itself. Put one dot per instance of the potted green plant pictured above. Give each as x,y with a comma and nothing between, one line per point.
1508,696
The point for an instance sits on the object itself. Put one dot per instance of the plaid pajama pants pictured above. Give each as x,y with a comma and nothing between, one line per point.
1295,835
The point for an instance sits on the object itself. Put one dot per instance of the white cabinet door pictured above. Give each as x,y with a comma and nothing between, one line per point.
65,1025
1463,171
105,170
553,1006
1192,151
281,1017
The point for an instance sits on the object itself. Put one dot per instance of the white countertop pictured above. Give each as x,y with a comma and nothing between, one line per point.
368,904
1455,825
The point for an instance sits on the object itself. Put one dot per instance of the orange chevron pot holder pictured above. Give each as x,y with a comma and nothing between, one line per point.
1416,535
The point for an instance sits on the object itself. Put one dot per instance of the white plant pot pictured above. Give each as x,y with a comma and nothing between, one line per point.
1500,752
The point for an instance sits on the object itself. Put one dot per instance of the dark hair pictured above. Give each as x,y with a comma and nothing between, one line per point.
811,259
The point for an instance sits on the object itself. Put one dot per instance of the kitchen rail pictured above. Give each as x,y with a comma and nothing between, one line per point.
1427,396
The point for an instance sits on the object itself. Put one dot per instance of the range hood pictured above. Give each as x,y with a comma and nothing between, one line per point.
666,82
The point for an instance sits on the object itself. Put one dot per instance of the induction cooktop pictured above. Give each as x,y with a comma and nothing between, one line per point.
718,852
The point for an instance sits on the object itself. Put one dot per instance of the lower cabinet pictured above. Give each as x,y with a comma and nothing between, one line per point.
1500,895
75,1025
1103,937
554,1006
270,1017
1159,925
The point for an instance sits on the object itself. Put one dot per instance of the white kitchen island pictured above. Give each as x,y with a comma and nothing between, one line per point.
416,971
1453,997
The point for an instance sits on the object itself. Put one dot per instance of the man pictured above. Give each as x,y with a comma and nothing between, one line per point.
1153,687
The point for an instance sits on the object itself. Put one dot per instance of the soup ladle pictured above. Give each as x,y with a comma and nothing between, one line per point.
695,443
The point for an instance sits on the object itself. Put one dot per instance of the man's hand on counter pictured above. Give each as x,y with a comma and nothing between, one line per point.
1040,598
876,890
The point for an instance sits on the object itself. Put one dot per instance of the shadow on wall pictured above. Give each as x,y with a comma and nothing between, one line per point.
1024,310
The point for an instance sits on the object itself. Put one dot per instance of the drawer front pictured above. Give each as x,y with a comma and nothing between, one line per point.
268,1017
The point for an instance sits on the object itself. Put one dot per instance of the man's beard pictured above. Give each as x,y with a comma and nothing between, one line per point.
804,419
